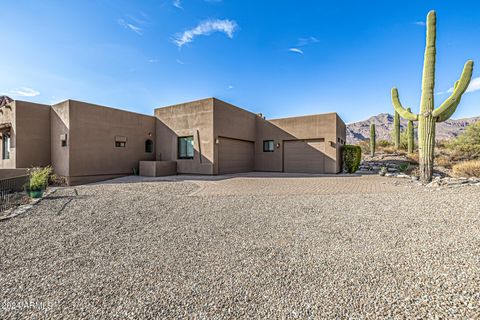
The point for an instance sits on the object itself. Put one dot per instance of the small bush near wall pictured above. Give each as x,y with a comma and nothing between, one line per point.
352,155
467,169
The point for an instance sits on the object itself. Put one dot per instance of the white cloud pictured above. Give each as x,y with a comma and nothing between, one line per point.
472,87
420,23
177,4
206,28
23,92
180,61
130,26
230,87
296,50
302,42
152,60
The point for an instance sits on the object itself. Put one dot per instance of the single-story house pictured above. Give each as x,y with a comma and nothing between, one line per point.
85,142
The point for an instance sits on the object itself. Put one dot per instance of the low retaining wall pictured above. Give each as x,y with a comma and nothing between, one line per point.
10,173
158,168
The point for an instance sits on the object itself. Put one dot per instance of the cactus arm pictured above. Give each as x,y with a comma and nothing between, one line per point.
397,105
448,108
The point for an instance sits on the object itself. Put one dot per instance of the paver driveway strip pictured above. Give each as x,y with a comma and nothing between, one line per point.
157,250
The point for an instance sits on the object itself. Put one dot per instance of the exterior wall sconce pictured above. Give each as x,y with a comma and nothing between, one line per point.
332,144
278,145
217,141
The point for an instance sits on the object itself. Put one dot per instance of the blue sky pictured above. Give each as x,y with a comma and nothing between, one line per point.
280,58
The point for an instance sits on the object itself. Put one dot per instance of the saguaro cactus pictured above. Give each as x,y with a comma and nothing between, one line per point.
428,115
372,139
410,134
396,130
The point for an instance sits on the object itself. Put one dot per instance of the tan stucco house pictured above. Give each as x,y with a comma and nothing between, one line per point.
86,143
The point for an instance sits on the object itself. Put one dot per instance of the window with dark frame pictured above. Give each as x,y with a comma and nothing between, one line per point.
149,146
185,147
120,144
268,146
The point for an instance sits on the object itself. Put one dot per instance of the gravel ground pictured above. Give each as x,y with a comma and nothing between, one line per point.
159,250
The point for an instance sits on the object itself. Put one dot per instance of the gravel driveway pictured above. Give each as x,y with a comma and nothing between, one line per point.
175,249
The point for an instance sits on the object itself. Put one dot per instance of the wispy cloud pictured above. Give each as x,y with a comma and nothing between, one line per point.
180,61
23,92
302,42
420,23
230,87
206,28
177,4
472,87
152,60
296,50
130,26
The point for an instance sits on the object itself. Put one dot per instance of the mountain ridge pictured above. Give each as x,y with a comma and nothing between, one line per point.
360,130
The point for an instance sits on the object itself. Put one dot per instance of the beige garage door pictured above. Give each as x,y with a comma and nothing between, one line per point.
235,156
304,156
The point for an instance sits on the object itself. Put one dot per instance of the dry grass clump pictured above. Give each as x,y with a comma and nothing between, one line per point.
467,169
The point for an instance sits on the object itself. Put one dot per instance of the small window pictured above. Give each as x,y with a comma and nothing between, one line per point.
185,147
268,146
63,139
149,146
120,142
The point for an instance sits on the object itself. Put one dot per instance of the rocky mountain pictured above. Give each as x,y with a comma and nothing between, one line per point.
5,100
359,131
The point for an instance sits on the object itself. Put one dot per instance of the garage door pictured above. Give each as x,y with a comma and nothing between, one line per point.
235,156
304,156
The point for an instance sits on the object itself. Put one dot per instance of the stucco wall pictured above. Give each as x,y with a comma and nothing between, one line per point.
32,134
232,122
93,131
60,124
187,119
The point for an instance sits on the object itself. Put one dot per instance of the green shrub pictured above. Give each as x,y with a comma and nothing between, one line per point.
352,155
468,143
39,178
383,143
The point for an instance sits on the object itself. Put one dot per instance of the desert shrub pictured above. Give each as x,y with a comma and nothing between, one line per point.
413,158
365,146
389,150
467,169
467,145
39,178
443,160
383,143
352,155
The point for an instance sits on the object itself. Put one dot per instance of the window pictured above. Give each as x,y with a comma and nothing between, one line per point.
268,146
185,147
63,139
149,146
120,142
6,147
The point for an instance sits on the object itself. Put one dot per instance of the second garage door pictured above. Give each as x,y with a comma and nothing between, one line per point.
304,156
235,156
